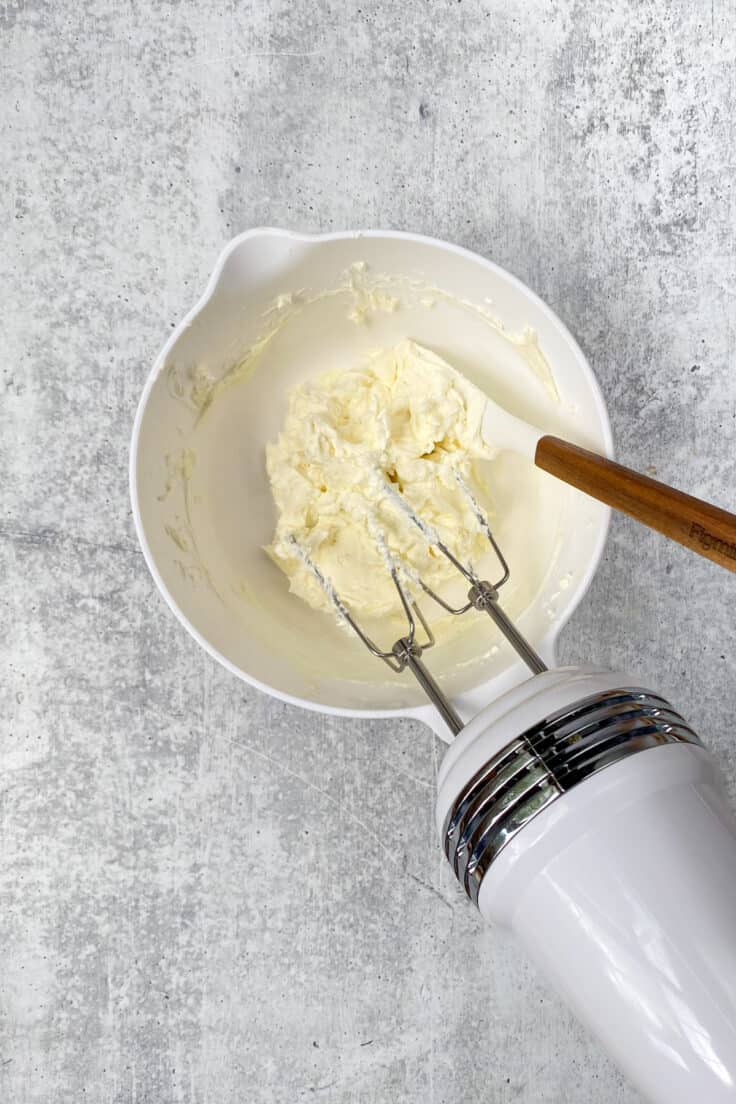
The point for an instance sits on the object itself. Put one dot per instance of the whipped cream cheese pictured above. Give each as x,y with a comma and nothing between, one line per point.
406,422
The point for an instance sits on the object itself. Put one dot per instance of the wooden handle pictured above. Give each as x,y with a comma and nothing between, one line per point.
698,525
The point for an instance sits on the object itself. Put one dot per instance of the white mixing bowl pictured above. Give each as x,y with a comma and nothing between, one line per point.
201,499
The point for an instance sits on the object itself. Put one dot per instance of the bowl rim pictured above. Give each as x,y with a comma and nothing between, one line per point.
420,712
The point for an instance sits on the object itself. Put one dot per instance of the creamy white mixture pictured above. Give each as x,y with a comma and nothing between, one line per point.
405,422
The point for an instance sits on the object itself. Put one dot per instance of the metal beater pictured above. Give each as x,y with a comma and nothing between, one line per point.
407,651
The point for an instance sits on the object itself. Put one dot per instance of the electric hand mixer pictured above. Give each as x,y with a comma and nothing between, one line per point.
623,889
579,809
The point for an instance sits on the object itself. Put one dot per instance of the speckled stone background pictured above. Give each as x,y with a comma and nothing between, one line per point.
206,896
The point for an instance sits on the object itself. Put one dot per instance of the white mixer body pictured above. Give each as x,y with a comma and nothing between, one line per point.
623,890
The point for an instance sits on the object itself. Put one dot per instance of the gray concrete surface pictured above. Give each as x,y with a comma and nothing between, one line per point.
206,896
